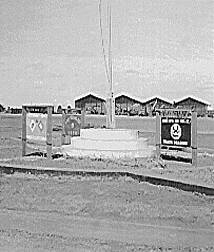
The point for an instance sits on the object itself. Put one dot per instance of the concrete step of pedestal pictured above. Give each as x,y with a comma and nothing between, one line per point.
109,134
108,145
107,153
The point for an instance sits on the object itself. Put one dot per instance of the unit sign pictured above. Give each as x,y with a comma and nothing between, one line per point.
36,126
176,131
72,125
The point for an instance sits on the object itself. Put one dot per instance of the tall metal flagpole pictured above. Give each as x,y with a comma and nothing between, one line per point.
110,120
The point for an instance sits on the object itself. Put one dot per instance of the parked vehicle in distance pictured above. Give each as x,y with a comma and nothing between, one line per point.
75,111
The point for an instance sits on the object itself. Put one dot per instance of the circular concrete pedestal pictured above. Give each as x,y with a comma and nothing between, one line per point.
108,143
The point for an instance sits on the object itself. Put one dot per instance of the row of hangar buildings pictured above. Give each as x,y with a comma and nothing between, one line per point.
126,105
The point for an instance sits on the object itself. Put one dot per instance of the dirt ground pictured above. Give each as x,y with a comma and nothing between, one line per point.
121,200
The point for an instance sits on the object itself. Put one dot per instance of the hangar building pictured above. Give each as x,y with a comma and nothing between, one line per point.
91,103
155,103
191,103
125,105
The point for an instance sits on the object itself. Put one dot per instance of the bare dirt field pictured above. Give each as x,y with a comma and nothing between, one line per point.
74,213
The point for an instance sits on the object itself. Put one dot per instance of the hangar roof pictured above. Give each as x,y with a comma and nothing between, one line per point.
157,99
126,96
190,98
89,95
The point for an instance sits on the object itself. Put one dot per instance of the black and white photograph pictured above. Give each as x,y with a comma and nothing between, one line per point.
106,125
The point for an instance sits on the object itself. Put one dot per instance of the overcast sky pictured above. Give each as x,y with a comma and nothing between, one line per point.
50,50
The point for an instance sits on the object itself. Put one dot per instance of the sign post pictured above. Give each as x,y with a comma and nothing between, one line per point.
64,139
49,133
24,137
37,127
158,135
194,139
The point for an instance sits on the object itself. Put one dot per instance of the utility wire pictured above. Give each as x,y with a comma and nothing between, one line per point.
102,42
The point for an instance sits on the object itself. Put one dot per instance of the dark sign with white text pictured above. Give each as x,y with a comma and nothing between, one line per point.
176,131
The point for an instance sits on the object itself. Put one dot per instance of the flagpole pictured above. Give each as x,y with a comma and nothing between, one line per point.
110,100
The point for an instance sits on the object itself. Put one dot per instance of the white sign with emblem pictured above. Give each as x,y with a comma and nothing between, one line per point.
36,126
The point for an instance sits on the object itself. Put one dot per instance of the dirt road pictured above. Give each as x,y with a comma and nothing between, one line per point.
44,224
65,213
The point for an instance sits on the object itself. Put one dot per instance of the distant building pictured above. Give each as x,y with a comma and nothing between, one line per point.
156,103
125,105
210,113
92,104
15,110
38,108
194,104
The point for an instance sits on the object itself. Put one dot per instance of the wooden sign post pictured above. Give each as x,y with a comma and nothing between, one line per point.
37,127
24,138
158,135
194,139
49,133
65,139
